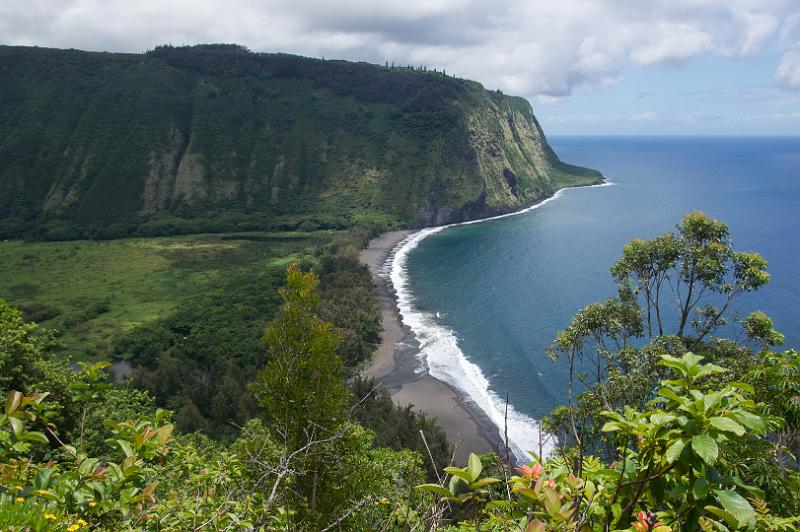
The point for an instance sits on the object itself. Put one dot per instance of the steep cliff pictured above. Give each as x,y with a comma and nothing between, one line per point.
218,133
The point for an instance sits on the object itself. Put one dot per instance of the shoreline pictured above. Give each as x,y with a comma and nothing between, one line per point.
396,365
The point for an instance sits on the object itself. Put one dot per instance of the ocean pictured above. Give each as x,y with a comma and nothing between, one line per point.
486,299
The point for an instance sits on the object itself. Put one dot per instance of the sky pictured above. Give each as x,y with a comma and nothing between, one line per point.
587,66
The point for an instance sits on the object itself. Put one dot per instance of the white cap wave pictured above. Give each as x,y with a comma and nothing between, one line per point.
445,361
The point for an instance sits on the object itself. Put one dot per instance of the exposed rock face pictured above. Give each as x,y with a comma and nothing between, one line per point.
516,166
159,184
207,131
190,181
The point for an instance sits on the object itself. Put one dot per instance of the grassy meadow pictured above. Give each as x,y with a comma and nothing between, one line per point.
92,291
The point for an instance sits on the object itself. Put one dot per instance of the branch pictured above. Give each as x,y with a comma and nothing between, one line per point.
61,443
355,507
352,408
430,455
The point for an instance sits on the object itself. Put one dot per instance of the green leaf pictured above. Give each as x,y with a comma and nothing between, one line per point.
705,446
709,369
552,502
497,504
453,483
588,490
674,450
712,399
743,386
749,420
700,488
483,482
435,488
16,426
13,401
164,433
126,448
21,447
88,466
674,363
661,418
613,415
726,424
474,467
669,394
737,506
35,436
732,522
690,360
678,491
611,426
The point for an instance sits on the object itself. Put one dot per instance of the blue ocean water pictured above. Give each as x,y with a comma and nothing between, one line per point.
495,293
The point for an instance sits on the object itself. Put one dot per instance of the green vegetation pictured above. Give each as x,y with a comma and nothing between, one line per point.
198,359
94,292
185,315
674,470
73,457
215,138
675,431
304,400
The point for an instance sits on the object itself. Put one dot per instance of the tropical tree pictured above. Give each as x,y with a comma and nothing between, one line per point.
674,291
304,453
673,472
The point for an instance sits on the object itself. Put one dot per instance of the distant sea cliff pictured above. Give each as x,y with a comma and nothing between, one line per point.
215,137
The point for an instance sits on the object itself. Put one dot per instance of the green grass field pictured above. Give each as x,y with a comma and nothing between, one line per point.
91,291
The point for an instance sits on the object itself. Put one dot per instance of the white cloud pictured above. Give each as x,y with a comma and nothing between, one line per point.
531,48
548,100
754,30
646,116
788,73
668,43
755,95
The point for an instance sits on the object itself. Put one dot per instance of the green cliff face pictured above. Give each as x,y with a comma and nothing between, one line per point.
217,132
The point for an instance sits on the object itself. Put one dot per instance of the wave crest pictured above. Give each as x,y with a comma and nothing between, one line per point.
440,353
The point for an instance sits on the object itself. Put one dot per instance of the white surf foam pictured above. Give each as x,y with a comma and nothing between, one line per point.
440,354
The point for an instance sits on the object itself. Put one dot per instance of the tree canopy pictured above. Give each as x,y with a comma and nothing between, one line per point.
674,426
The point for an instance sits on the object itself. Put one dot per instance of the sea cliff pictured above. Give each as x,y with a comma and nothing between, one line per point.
215,137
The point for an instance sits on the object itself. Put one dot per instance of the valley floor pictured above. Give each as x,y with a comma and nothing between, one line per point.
93,292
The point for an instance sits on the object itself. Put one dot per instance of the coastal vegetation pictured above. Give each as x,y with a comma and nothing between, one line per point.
678,414
183,316
78,451
679,427
214,138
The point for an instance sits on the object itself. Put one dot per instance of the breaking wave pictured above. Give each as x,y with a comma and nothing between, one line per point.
440,354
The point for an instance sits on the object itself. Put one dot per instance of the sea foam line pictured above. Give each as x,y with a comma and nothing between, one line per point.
439,350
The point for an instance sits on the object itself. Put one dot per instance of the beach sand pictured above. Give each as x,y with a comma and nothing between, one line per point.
394,365
393,331
437,399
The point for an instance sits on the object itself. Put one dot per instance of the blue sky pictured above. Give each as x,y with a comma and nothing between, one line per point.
587,66
708,95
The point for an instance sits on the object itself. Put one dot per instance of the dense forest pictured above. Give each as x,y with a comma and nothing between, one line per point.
215,138
677,427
